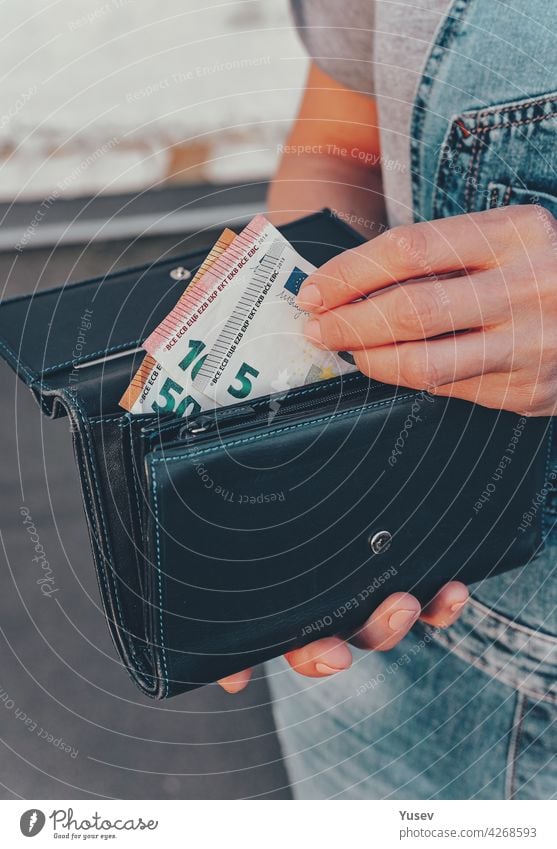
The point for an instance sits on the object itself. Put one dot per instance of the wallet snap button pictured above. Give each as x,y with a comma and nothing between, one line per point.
180,273
380,541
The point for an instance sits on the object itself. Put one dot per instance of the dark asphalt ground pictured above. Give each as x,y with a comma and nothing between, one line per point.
61,683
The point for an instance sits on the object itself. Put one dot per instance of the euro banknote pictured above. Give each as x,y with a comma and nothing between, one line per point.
235,333
253,337
152,389
242,332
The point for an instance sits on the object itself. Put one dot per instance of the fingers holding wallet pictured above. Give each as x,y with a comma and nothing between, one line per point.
389,623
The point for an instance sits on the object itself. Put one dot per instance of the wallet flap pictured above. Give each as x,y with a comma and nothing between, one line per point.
56,330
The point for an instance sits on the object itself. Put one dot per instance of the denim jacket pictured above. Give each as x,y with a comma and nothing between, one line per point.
484,134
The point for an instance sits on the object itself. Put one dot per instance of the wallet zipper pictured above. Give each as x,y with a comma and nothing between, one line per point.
205,427
242,411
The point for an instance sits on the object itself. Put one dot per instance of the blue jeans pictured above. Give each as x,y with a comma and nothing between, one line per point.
469,713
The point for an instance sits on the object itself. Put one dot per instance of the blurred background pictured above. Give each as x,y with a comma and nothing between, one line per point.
122,95
129,131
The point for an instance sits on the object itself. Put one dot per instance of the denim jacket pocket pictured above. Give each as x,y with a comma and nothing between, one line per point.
501,194
498,155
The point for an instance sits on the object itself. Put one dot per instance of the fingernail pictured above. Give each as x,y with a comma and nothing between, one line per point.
232,687
313,331
458,606
402,620
337,658
324,669
310,297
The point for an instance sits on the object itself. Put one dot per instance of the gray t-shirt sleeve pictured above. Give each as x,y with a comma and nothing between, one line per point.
338,35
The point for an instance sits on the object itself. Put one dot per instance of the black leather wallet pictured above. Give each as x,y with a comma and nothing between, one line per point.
222,541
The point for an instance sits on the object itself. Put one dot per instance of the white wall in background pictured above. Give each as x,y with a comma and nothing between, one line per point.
94,94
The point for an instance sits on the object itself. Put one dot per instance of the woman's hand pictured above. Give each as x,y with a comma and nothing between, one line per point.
386,626
492,275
